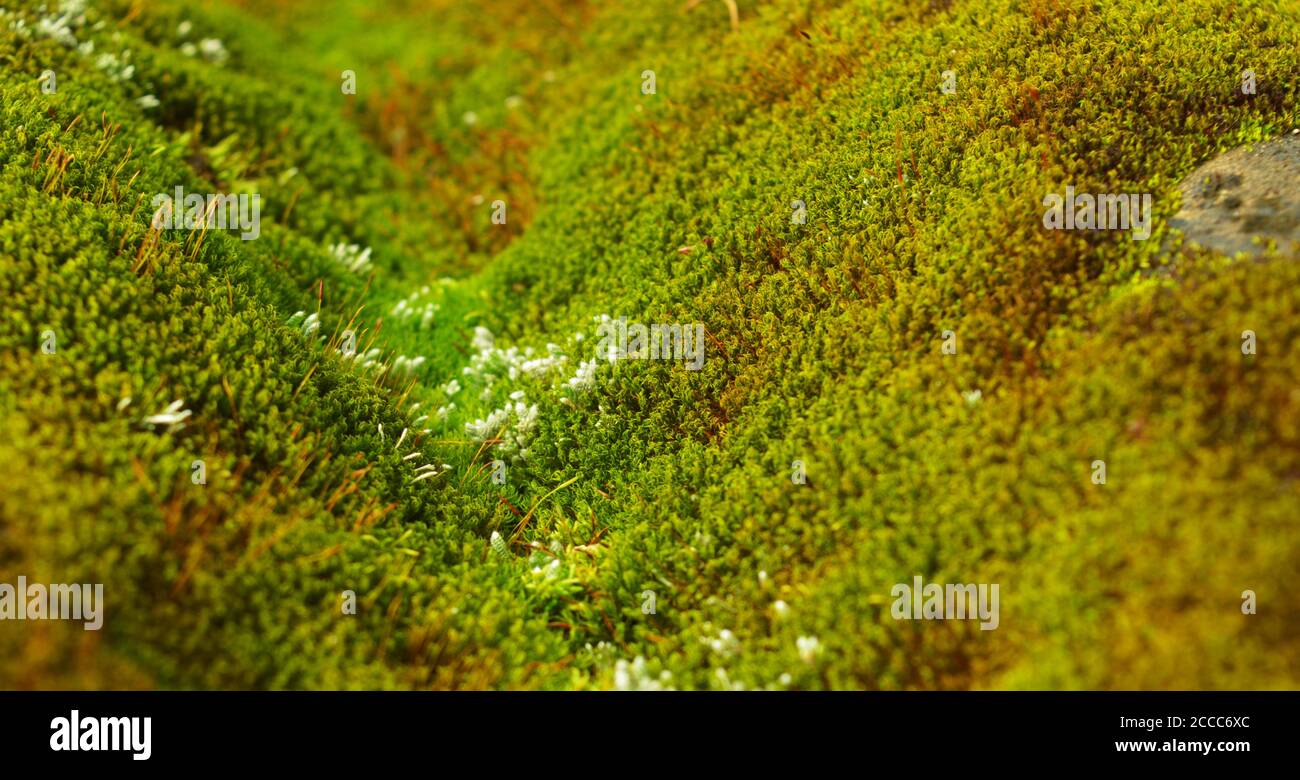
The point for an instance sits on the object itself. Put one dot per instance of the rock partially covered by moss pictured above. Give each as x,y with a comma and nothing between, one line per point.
1244,199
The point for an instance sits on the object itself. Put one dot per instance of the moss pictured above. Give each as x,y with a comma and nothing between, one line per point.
824,346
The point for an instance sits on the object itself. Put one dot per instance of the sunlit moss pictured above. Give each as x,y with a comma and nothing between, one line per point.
325,468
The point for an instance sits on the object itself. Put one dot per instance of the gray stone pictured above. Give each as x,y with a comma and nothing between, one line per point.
1242,194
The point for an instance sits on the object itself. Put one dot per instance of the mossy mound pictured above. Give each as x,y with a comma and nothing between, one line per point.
509,508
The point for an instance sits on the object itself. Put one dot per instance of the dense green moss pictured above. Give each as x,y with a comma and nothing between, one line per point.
924,215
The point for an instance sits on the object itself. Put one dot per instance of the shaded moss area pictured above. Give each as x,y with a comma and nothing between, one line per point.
504,503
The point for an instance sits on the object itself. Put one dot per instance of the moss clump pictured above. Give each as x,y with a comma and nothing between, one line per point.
510,510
